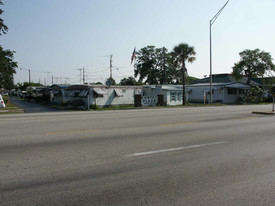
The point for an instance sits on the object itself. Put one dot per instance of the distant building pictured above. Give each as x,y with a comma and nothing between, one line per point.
226,89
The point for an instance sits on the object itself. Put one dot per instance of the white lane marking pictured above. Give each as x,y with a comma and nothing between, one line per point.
174,149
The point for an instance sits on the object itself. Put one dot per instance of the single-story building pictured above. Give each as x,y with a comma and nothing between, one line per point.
103,96
225,89
168,94
227,93
57,94
38,92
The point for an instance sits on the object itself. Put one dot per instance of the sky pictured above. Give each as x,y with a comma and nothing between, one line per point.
54,39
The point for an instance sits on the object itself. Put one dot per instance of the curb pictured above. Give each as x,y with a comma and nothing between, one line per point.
264,113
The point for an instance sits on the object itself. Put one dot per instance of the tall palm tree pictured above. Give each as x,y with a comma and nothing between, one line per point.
183,53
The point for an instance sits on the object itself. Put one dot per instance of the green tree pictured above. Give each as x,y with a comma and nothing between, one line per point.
181,54
253,63
7,65
255,95
147,65
3,27
110,82
7,68
155,66
23,86
128,81
189,79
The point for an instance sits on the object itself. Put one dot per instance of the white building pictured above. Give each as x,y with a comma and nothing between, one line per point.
227,93
103,96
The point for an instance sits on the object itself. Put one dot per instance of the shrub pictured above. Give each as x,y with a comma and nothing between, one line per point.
94,106
6,99
255,95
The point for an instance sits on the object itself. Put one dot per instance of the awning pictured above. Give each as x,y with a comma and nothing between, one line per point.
99,91
83,93
55,91
118,93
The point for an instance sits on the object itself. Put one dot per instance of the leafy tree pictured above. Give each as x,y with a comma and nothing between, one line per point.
147,65
189,79
128,81
7,65
155,66
23,86
253,63
255,95
110,82
3,27
7,68
181,54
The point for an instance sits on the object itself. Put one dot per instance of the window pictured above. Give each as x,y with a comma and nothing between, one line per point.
172,96
232,91
179,95
241,91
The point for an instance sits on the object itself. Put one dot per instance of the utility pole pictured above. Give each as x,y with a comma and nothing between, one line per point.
52,79
47,78
83,75
29,76
29,73
80,74
66,78
163,66
56,79
111,65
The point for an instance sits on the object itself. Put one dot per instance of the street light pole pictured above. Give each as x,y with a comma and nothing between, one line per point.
29,73
212,21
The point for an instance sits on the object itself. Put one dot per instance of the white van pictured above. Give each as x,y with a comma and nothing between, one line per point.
2,103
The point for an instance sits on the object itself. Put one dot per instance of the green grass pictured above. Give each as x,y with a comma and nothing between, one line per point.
11,109
151,107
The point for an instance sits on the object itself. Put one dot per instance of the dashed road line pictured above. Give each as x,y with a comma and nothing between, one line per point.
170,124
92,130
174,149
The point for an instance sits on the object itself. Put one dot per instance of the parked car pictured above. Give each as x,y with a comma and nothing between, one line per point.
2,103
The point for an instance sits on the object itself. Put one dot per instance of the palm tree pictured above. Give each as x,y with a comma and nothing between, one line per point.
181,54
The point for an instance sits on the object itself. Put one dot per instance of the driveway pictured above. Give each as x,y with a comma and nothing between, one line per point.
33,107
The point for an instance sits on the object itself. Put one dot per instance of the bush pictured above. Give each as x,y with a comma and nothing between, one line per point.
94,106
6,99
255,95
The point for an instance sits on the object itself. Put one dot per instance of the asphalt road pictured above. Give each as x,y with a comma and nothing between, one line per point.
32,107
177,156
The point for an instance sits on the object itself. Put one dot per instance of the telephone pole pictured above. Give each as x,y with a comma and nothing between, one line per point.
29,73
83,75
163,66
111,65
80,74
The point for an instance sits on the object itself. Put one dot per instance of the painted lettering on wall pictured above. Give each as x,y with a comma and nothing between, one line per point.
149,100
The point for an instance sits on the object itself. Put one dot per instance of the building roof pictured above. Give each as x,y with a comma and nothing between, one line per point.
226,78
236,85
